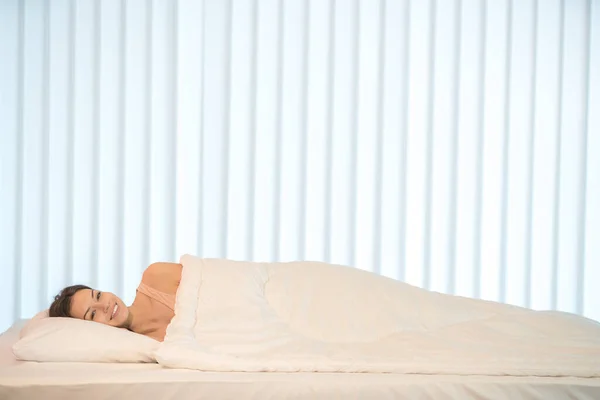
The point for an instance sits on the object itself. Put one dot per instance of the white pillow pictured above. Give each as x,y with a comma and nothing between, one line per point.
69,339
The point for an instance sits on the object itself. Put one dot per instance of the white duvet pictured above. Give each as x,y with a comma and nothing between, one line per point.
307,316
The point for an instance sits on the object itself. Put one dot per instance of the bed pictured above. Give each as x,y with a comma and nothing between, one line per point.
30,380
246,332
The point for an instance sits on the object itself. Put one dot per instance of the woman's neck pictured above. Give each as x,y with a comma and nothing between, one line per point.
130,324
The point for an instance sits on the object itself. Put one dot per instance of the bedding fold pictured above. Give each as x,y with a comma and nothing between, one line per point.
317,317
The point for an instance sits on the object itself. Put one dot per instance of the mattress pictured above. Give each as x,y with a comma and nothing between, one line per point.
28,380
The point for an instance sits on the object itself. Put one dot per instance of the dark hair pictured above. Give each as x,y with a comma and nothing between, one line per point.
61,306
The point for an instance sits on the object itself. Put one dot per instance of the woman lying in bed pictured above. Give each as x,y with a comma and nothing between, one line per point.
150,313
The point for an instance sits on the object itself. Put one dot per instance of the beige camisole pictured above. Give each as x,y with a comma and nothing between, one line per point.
167,300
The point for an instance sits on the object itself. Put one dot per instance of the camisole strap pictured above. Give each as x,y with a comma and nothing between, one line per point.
167,300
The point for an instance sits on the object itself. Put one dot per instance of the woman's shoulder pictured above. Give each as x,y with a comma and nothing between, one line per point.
162,275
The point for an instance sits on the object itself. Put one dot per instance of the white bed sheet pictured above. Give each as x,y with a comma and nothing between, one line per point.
29,380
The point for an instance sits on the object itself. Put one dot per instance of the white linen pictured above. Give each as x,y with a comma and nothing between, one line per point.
31,380
63,381
7,339
307,316
69,339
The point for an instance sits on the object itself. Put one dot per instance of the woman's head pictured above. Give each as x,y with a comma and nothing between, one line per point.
83,302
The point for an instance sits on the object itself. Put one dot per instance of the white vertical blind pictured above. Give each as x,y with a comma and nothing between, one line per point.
518,189
591,249
450,144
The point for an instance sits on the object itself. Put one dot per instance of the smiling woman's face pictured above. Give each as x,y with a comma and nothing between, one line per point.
103,307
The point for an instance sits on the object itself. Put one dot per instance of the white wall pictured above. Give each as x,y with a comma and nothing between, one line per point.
451,144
